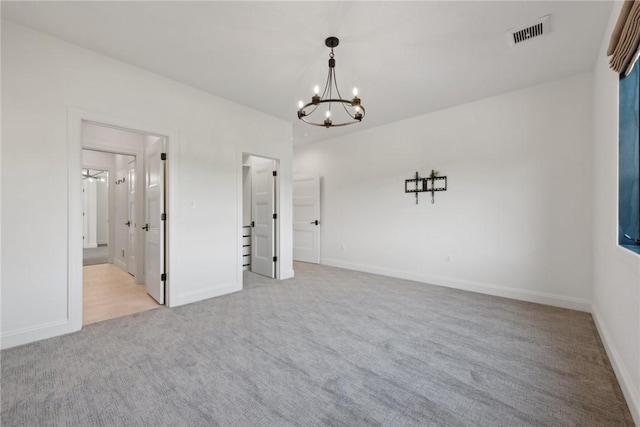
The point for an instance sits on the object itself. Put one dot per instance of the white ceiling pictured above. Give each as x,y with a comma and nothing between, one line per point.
406,58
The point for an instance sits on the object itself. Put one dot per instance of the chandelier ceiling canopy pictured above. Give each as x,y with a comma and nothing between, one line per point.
332,100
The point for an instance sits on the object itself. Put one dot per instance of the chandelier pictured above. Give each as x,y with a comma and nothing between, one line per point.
353,107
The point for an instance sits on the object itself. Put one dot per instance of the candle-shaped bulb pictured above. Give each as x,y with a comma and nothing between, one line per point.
316,89
328,114
355,91
357,108
300,104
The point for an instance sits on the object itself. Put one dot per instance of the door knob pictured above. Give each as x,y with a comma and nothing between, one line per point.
253,223
314,222
128,223
146,227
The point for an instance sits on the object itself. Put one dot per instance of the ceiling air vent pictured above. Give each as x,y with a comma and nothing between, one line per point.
537,29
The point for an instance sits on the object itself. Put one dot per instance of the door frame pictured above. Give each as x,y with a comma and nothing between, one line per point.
75,117
136,201
239,222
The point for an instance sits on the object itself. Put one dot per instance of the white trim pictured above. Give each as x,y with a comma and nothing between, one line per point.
74,217
626,254
630,393
36,333
288,274
466,285
120,264
206,293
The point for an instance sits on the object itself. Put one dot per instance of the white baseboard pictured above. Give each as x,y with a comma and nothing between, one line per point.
288,274
120,264
205,293
630,392
36,333
483,288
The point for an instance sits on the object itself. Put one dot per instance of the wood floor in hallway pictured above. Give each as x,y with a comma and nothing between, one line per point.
108,292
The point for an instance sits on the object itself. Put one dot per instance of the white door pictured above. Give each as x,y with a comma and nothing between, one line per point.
262,211
131,220
85,218
90,213
154,226
306,218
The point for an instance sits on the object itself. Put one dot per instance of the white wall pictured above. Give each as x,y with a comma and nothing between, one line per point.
516,219
45,81
616,271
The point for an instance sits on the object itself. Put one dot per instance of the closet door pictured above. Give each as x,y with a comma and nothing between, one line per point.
263,221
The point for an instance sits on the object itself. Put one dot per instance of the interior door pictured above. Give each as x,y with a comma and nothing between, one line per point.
306,218
262,210
131,220
85,218
154,226
90,192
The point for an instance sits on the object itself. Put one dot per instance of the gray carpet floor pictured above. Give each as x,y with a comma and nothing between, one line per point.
330,347
93,256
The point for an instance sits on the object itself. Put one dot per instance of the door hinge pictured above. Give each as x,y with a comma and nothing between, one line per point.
163,217
275,259
163,156
275,173
163,277
275,216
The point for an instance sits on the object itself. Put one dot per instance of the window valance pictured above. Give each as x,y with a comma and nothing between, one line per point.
625,39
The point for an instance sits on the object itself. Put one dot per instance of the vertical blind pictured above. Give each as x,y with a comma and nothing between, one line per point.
625,39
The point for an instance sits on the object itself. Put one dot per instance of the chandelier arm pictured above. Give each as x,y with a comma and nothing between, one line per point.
315,107
327,84
353,116
335,81
332,75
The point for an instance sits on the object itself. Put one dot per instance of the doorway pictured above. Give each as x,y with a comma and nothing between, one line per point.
260,243
134,278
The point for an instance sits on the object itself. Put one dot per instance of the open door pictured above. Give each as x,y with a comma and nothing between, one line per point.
306,218
154,225
90,190
263,213
131,219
